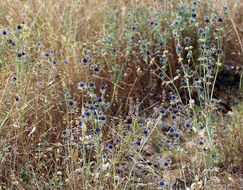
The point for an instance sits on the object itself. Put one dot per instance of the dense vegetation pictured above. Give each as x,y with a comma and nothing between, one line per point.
121,95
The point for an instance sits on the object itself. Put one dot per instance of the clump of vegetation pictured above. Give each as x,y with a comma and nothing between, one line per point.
124,100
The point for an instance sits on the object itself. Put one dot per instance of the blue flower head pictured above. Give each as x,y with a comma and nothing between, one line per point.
19,27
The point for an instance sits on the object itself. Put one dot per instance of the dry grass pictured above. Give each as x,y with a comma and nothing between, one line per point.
32,148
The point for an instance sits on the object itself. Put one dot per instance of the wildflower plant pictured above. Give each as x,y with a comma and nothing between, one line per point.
119,98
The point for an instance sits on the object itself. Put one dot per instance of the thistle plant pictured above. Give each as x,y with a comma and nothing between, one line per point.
119,95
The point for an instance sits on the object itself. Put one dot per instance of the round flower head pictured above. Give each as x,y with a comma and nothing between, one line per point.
133,28
171,130
79,126
161,75
183,80
200,30
85,60
47,54
161,183
219,51
170,108
162,111
173,97
70,102
110,146
180,107
102,118
207,19
179,48
132,37
19,54
23,53
97,130
138,142
173,117
114,50
9,41
220,19
81,85
96,69
185,66
102,87
152,22
186,40
4,32
200,142
91,84
194,15
64,132
145,132
118,140
166,164
19,27
188,125
155,176
148,52
99,99
177,135
87,114
17,99
67,94
161,43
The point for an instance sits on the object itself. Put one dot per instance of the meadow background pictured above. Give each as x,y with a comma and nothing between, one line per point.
105,94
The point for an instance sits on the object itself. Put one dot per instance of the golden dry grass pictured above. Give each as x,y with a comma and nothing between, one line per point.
70,28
